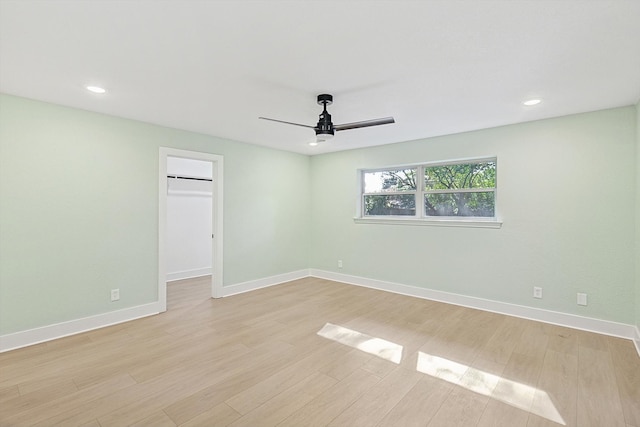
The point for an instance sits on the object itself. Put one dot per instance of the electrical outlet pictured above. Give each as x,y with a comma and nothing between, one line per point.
115,294
582,299
537,292
339,263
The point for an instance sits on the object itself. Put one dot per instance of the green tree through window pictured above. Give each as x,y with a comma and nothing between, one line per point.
399,192
466,189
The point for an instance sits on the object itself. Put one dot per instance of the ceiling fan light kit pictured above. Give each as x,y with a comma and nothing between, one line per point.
325,129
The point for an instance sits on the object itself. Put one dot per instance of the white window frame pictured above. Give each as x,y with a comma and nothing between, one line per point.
420,218
415,193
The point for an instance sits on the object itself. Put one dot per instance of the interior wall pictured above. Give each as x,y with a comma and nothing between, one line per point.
189,218
189,228
79,211
566,194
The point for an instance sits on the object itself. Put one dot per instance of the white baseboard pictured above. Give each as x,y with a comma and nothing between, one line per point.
252,285
636,338
72,327
188,274
605,327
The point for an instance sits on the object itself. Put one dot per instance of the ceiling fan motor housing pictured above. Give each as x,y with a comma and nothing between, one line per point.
324,128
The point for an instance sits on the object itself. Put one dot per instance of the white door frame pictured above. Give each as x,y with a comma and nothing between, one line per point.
217,200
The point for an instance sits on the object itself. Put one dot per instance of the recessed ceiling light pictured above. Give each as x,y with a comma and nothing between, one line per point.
96,89
531,102
313,143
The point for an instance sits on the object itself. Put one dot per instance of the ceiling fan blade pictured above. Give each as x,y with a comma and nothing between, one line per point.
364,124
287,123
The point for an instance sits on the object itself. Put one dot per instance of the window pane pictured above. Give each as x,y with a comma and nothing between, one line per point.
467,175
390,204
390,181
481,204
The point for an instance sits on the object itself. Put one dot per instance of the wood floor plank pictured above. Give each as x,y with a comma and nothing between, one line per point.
462,407
220,415
462,343
344,365
197,353
517,384
533,341
55,409
328,405
158,419
252,397
92,423
501,344
237,376
282,405
625,365
598,397
135,402
592,341
419,405
555,399
379,400
179,391
501,414
9,392
561,339
32,400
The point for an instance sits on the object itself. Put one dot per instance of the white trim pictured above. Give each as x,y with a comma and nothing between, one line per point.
188,274
557,318
163,187
217,218
636,339
73,327
265,282
474,223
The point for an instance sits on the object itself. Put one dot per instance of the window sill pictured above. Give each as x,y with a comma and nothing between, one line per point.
473,223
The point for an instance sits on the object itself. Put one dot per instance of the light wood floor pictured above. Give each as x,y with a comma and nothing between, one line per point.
314,353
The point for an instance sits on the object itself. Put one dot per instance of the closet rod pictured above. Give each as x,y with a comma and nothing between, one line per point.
189,177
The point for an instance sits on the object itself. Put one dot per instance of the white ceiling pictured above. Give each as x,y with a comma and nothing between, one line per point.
438,67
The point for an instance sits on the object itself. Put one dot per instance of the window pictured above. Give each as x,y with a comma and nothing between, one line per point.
460,189
390,192
444,191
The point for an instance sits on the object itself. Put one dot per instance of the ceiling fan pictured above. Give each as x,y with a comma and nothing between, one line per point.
325,128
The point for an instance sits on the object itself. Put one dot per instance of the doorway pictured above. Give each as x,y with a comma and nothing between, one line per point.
170,161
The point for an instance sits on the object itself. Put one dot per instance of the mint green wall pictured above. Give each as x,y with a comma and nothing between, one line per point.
79,211
566,193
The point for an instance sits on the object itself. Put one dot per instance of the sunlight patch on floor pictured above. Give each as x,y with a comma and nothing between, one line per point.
377,346
512,393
